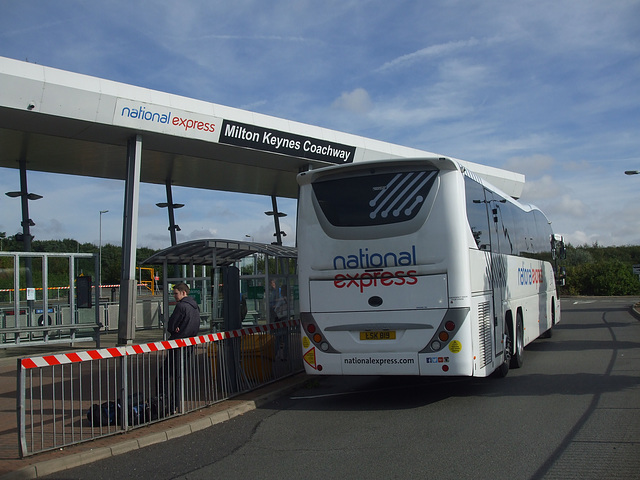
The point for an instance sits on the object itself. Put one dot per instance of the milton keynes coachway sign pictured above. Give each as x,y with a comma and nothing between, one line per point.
62,122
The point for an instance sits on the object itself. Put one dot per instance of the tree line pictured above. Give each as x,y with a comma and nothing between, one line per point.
590,270
596,270
58,268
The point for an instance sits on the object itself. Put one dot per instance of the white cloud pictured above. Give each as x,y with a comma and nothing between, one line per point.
578,237
543,188
437,50
532,166
571,206
356,101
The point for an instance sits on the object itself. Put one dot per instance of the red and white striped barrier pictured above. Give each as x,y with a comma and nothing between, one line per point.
114,352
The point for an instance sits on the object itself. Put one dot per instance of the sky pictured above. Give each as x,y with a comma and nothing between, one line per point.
550,89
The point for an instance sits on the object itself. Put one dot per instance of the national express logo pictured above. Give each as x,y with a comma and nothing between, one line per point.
182,122
378,269
530,276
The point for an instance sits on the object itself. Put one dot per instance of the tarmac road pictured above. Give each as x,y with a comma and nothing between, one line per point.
572,411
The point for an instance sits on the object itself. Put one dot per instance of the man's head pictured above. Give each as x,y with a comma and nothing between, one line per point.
180,291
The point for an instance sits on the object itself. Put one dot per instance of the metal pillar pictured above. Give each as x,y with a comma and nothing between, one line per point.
173,228
27,223
276,220
128,290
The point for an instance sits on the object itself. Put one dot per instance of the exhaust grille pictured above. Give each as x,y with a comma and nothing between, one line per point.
484,324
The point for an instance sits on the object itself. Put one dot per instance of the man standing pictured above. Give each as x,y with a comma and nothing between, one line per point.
183,323
185,319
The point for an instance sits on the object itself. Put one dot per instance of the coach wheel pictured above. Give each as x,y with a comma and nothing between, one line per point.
503,369
549,332
516,358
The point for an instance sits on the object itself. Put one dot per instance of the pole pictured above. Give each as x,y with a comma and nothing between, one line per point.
172,221
128,293
100,256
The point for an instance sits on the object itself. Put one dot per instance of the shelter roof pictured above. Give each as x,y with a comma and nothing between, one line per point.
223,252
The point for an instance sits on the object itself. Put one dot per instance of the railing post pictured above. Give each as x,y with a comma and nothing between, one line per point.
182,378
20,406
124,406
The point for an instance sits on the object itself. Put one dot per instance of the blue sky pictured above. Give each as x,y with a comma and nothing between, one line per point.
550,89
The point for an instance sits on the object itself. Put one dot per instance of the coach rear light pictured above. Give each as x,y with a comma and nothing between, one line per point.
436,345
450,326
443,336
314,334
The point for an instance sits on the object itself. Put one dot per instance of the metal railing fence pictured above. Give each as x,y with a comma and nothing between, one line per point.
70,398
61,325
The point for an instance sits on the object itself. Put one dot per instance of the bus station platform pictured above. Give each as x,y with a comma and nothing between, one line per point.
47,463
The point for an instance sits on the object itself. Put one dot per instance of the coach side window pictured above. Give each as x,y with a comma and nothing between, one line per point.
477,213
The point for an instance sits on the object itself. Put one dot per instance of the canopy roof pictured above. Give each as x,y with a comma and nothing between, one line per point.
63,122
222,252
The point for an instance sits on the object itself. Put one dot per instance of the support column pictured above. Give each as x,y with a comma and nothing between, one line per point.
170,206
128,284
173,228
276,220
25,236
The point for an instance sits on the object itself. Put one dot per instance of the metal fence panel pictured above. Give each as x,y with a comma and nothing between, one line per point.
71,398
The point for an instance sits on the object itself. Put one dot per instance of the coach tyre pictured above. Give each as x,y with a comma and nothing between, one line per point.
503,369
516,359
549,332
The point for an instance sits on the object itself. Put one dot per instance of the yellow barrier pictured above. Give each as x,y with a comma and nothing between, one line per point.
258,352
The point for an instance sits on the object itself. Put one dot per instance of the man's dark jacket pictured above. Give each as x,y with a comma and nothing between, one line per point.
186,317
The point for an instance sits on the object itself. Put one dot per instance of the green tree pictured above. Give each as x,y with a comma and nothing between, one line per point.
596,270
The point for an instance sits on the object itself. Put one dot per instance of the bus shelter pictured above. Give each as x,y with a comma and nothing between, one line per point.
235,283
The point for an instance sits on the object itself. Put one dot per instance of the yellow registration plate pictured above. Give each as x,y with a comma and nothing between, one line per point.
380,335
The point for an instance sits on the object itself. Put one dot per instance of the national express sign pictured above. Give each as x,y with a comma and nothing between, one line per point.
173,121
170,121
259,138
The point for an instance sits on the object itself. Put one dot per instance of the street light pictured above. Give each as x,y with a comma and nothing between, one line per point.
632,172
170,206
255,261
100,255
276,220
30,196
26,221
173,228
25,237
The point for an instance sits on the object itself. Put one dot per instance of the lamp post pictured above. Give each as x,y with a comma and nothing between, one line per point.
170,206
100,256
276,220
25,237
255,260
173,228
